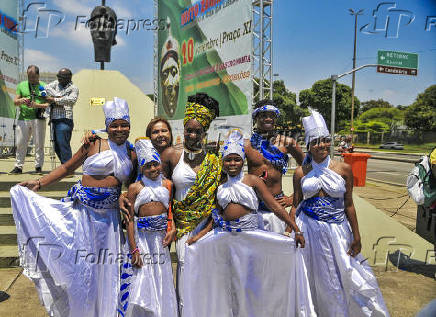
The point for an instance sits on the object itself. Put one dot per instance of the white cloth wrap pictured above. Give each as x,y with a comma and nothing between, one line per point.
180,250
151,292
115,161
321,177
69,250
251,273
115,110
152,191
314,127
145,152
340,284
234,191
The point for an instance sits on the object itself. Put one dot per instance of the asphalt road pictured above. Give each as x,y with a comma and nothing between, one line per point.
388,171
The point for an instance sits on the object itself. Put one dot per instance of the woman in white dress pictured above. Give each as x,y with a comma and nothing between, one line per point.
70,249
341,282
195,173
147,290
238,269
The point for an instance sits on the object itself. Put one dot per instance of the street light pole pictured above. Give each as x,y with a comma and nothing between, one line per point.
352,12
334,79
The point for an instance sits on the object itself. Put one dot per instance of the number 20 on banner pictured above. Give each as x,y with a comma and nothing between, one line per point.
188,51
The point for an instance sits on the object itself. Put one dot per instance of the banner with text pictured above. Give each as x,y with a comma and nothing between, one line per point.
206,47
8,69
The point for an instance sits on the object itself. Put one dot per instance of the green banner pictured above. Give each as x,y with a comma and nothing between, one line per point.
9,69
206,47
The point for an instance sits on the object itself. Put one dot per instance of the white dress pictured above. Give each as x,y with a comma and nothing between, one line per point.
183,179
340,284
149,291
70,249
239,270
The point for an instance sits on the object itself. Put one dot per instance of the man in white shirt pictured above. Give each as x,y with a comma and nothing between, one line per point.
62,95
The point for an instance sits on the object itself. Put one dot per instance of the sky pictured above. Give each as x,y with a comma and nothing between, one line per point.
312,39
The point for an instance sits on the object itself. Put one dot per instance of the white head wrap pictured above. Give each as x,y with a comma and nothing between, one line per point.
314,127
115,110
146,152
234,144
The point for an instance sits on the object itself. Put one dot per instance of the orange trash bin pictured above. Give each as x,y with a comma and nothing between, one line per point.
358,163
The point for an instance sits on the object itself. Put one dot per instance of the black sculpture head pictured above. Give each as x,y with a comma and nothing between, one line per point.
170,73
103,26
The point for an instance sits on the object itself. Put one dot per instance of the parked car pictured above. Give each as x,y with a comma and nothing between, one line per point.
392,145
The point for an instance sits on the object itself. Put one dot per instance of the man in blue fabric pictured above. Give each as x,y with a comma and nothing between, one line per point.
267,157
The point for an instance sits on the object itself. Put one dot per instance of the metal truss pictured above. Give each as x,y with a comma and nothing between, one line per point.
262,49
155,63
20,38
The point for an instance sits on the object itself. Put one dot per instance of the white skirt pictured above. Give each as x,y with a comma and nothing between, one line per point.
340,284
70,252
272,223
151,291
249,273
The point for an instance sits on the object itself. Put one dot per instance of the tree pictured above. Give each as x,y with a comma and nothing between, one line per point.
421,115
390,116
380,103
286,101
319,97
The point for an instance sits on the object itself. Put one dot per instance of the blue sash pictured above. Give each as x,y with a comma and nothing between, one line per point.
247,222
327,209
152,223
95,197
277,158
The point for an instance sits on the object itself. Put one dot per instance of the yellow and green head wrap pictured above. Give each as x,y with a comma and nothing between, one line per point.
200,113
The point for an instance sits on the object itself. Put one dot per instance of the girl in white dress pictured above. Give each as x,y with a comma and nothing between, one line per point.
238,269
341,282
147,289
70,249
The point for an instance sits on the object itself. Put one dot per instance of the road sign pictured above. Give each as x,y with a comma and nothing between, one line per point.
401,63
397,70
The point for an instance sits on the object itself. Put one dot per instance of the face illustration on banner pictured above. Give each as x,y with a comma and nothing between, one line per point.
170,73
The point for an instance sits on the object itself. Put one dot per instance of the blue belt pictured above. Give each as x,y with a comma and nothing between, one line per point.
152,223
95,197
327,209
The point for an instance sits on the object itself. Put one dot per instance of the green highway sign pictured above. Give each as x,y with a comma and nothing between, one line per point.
397,59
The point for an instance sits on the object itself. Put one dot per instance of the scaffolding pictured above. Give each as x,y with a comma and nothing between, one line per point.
155,63
262,49
20,35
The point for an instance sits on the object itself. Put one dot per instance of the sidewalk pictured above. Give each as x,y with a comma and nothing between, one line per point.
386,243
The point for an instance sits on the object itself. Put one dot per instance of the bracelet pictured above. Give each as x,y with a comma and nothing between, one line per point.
299,233
134,251
39,183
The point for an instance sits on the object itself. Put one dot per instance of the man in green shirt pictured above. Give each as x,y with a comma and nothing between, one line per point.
28,99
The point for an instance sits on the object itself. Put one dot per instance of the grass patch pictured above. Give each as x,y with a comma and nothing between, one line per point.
408,148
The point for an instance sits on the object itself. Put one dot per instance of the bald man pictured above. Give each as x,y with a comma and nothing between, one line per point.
62,95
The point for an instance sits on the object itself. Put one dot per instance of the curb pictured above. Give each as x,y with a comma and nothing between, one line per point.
373,180
394,159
